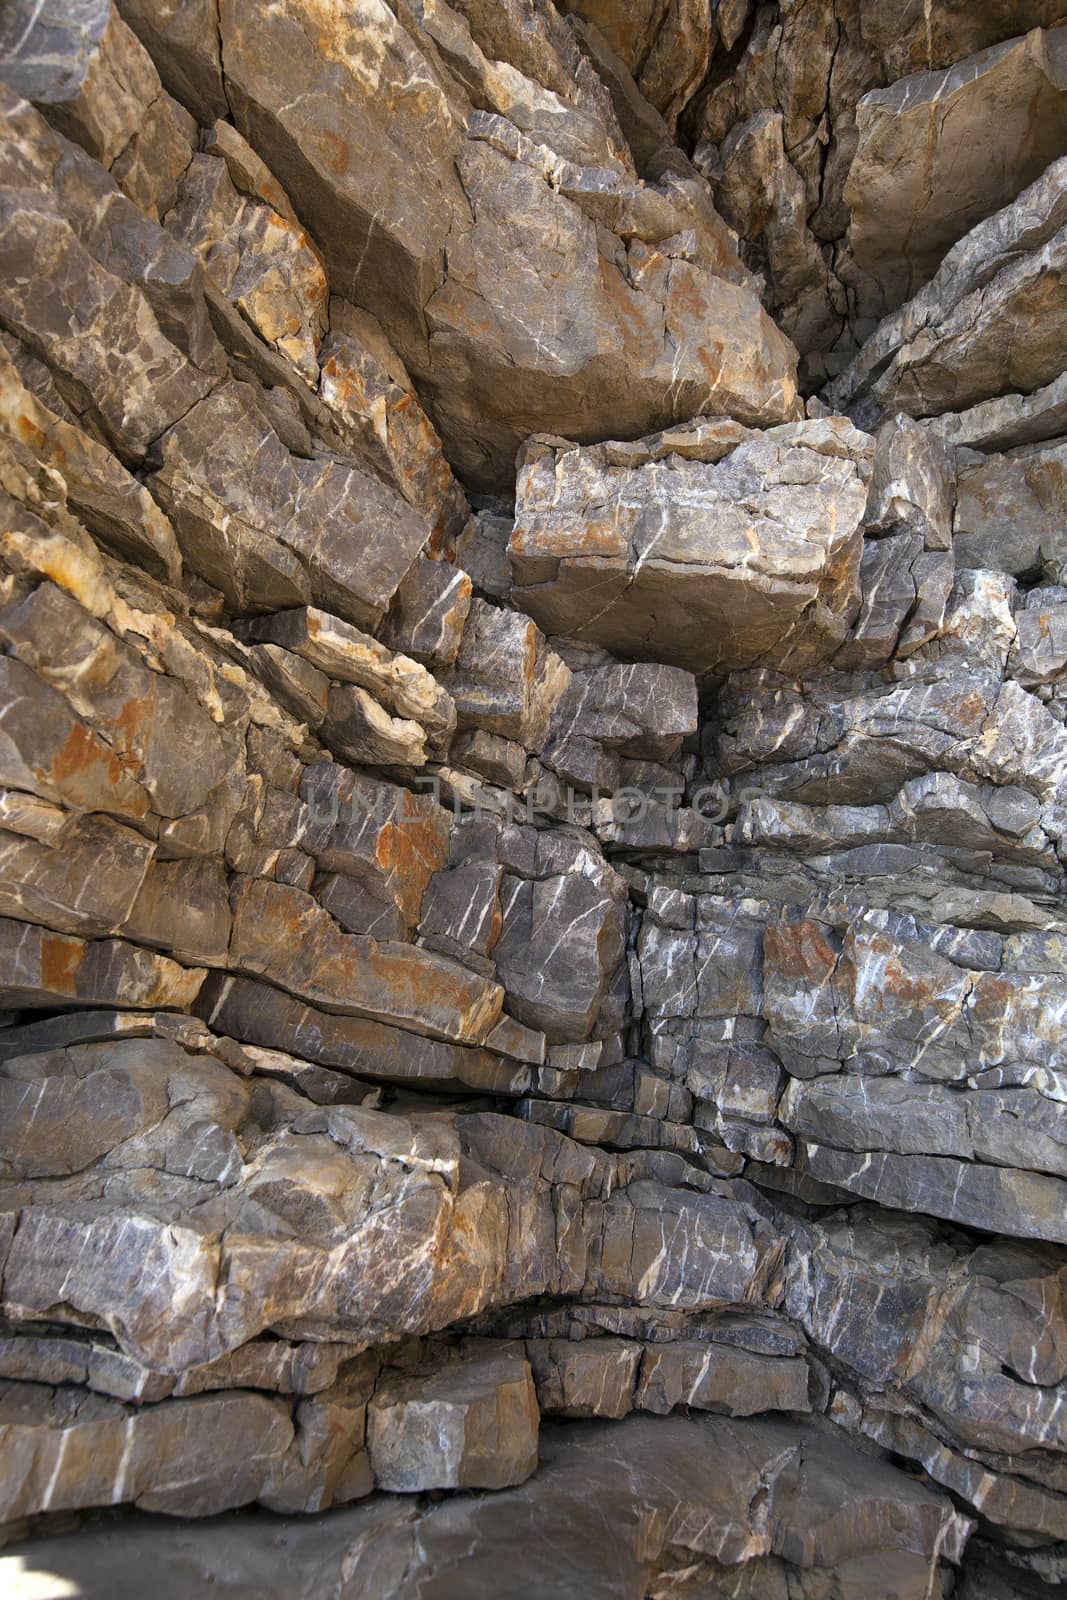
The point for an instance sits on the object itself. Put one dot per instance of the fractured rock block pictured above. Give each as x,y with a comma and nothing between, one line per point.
561,940
76,874
717,1377
383,836
119,288
1011,510
472,1424
282,934
83,1450
710,547
158,733
938,152
262,261
347,655
429,612
265,1016
506,679
989,321
588,1378
375,412
295,530
111,503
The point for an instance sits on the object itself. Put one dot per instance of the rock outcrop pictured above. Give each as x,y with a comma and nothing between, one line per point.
533,957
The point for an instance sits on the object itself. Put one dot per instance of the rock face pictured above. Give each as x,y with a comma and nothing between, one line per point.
533,958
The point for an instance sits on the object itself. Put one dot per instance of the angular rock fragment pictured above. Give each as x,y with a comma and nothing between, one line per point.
375,413
587,1378
471,1425
384,837
429,612
282,934
709,547
713,1377
157,732
987,322
39,968
117,509
506,679
118,288
496,356
345,654
373,1050
360,729
1011,510
83,1450
261,261
938,152
294,529
76,874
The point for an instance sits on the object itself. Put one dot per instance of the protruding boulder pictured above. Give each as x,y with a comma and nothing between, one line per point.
710,547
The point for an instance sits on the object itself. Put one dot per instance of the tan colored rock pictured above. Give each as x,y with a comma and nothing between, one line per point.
157,732
472,1424
261,260
716,1377
81,1450
296,529
373,1051
117,509
375,412
385,837
667,47
987,323
473,161
124,118
247,171
125,299
586,1378
358,728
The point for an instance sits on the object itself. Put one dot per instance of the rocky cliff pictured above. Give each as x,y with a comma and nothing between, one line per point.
533,799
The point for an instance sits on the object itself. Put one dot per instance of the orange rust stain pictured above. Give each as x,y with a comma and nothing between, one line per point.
413,849
338,152
81,751
134,720
800,950
60,960
32,434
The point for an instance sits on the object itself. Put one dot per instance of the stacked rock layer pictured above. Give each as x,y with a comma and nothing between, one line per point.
533,947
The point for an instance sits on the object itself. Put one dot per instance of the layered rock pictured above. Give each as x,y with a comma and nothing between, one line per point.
543,1017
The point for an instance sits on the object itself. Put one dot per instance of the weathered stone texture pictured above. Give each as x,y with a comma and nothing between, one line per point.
533,959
